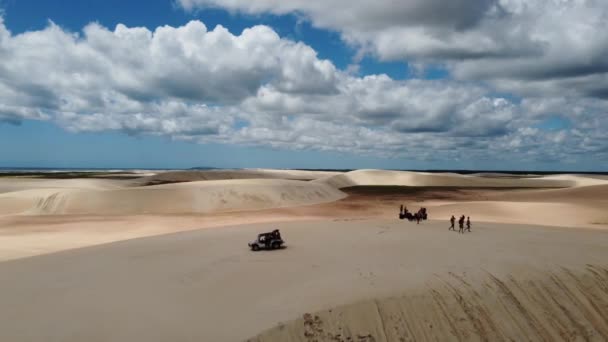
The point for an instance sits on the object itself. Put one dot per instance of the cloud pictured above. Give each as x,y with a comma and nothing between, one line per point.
406,29
363,15
14,115
378,101
187,63
125,70
256,88
547,42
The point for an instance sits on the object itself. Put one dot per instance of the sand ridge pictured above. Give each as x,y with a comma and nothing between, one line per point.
226,190
191,197
220,174
548,306
419,179
12,184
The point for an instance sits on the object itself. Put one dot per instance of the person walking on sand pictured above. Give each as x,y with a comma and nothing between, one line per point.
452,222
468,224
461,224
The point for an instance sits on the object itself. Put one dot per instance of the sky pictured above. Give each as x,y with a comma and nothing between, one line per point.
411,84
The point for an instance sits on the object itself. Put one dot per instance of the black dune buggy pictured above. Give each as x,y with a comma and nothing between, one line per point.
270,240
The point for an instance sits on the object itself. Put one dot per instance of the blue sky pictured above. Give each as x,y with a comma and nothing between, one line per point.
30,15
35,143
56,141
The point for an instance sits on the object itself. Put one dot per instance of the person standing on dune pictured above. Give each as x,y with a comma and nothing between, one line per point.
452,222
461,224
468,224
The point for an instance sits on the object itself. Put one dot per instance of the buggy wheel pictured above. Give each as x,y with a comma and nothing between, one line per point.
276,245
255,248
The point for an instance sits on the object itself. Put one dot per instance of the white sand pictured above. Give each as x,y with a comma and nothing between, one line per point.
12,184
405,178
199,175
177,198
27,229
378,275
206,285
110,197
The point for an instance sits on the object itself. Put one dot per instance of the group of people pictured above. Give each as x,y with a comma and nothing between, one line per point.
461,224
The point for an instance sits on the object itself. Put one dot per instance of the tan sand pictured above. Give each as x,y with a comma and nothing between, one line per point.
200,175
347,252
12,184
217,194
205,285
562,305
103,211
552,214
176,198
404,178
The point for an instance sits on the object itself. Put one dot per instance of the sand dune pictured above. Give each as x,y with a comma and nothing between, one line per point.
191,197
237,190
550,214
200,175
580,206
297,174
557,306
578,180
585,193
382,278
11,184
269,200
420,179
205,285
572,201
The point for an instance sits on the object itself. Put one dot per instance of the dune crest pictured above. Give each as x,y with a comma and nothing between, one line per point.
420,179
562,305
191,197
13,184
220,174
216,191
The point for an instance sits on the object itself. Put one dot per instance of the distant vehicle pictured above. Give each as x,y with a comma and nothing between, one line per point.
420,215
270,240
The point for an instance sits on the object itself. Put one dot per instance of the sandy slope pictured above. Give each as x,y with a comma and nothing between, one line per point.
191,197
240,192
550,214
587,193
404,178
583,205
200,175
206,286
578,201
549,306
201,192
11,184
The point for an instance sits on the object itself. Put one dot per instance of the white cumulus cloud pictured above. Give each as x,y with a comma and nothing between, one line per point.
256,88
528,47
